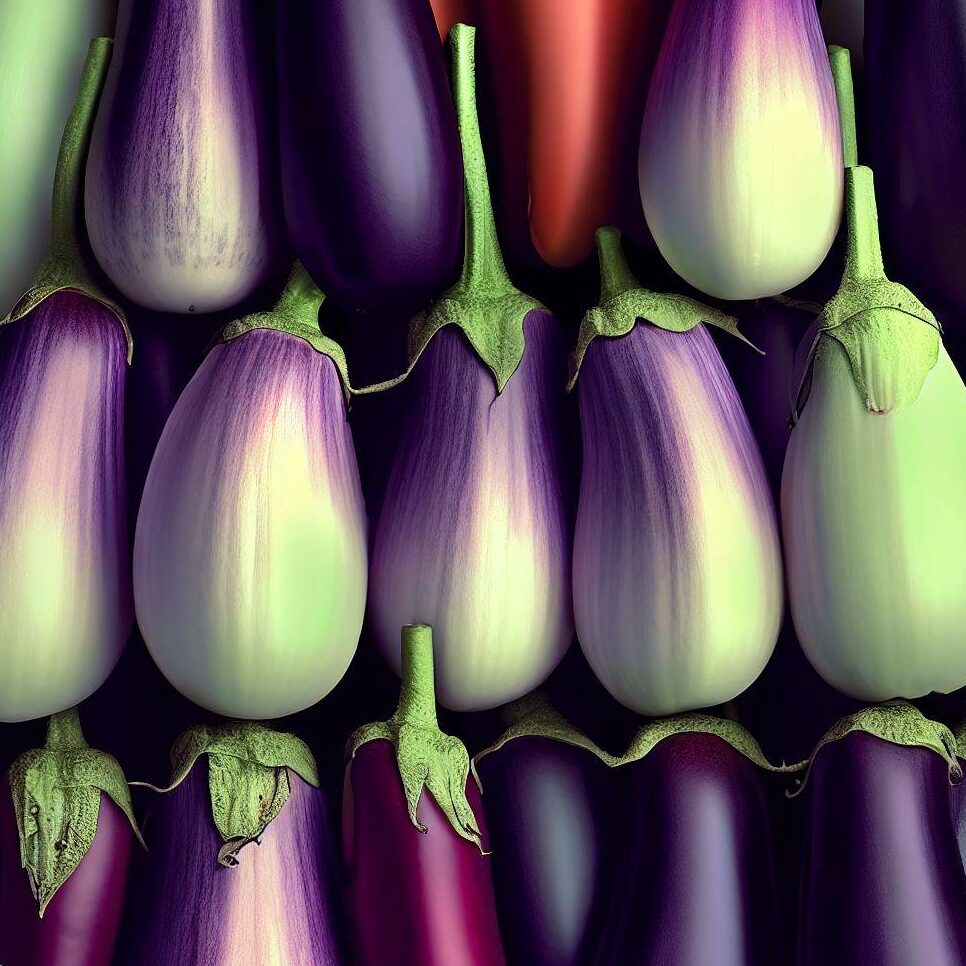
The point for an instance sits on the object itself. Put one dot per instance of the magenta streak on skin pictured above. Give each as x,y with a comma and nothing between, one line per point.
279,905
479,488
80,924
65,593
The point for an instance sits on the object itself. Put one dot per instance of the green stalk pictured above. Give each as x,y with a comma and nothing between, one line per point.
841,63
426,757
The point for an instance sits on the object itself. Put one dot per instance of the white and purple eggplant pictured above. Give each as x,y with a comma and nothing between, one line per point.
874,482
677,571
66,831
740,159
882,881
250,549
182,197
474,533
65,586
243,858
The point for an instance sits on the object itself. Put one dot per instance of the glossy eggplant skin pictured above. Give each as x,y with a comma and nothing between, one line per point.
915,75
80,925
696,884
414,899
882,881
371,170
549,808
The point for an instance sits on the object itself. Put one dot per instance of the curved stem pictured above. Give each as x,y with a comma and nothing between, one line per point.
863,254
301,299
417,695
483,266
64,730
841,63
72,157
615,274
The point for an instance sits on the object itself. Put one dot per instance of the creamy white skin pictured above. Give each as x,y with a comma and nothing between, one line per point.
874,514
250,562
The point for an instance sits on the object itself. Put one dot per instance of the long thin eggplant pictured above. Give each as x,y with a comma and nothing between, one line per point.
550,807
915,90
420,889
66,830
883,884
182,195
696,883
243,858
370,155
65,586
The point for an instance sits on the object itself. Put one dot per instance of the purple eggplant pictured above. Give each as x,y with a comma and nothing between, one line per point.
243,860
915,78
883,884
66,830
182,196
65,584
474,533
370,156
696,884
549,806
420,890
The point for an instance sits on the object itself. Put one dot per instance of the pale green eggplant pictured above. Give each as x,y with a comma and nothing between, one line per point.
43,44
874,482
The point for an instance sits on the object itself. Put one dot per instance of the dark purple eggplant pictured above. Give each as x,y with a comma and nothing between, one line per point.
243,861
420,888
915,76
371,167
882,882
696,883
66,829
549,806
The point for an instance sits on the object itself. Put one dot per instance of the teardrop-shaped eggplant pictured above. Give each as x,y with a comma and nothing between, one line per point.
182,196
370,156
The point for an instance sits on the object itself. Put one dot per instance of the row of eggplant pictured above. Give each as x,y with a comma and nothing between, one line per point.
545,850
251,573
590,113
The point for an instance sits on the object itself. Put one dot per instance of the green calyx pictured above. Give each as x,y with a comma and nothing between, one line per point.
623,303
890,338
426,757
56,793
65,267
248,777
654,732
296,313
533,716
897,722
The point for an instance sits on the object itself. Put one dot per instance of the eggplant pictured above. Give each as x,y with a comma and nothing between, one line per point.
740,157
370,154
915,73
882,882
677,569
250,549
420,891
182,196
66,831
696,882
65,587
550,807
474,531
243,866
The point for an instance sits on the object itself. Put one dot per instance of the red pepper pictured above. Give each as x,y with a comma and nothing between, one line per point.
569,81
420,891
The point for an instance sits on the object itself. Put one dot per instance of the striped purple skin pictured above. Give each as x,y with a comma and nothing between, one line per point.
278,906
65,561
182,197
474,536
677,569
250,551
81,923
740,159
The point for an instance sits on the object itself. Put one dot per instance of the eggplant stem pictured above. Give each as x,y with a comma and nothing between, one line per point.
840,62
616,277
417,693
863,254
64,730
